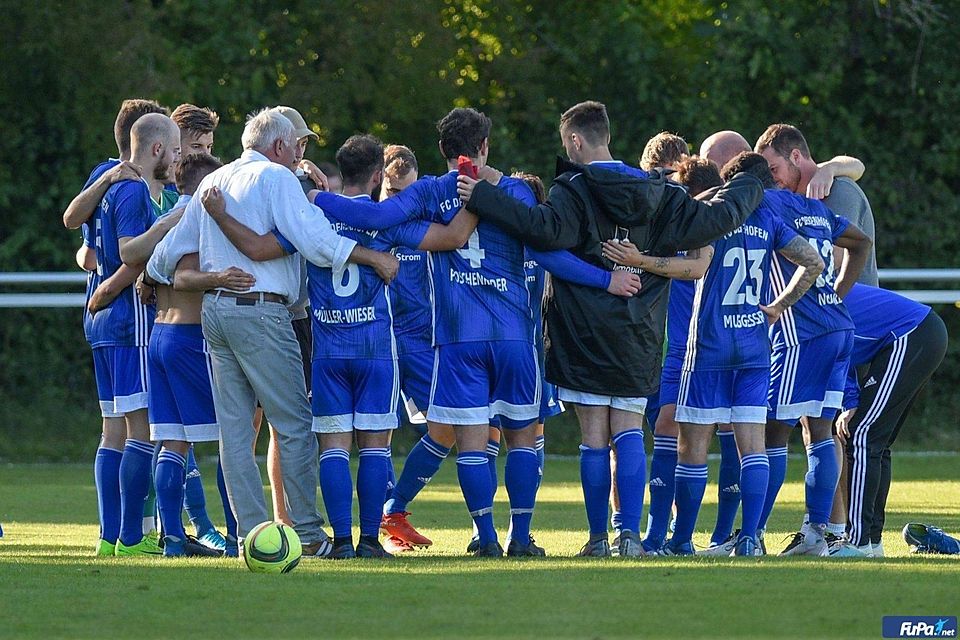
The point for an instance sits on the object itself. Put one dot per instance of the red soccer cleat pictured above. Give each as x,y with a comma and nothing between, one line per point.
397,546
396,525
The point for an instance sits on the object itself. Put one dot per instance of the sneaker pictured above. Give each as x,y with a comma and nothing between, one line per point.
630,545
106,548
834,542
530,550
746,546
370,547
806,544
146,547
231,548
395,545
342,550
595,549
490,550
397,526
722,549
474,545
848,550
320,549
877,549
670,549
925,538
212,539
650,545
174,547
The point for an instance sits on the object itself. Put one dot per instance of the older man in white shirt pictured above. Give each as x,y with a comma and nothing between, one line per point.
252,344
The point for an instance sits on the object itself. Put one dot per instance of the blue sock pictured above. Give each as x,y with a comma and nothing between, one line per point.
194,501
754,477
493,450
691,483
391,474
372,477
728,487
777,458
336,485
821,480
540,446
474,475
616,520
520,477
106,474
170,493
662,482
231,521
134,485
595,479
631,477
149,521
421,465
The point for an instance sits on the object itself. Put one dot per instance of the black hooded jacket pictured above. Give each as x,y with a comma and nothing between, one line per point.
596,342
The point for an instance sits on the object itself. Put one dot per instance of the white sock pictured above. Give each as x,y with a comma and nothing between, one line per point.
149,524
837,529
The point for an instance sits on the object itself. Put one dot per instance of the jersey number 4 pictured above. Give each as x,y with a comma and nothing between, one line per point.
473,252
740,260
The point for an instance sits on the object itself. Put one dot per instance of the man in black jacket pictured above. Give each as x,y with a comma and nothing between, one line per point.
604,352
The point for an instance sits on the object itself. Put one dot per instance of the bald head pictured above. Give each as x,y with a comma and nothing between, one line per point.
155,145
722,146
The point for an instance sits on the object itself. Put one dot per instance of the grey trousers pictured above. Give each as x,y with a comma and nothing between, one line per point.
255,356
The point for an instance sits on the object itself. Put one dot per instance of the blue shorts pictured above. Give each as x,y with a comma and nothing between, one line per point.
670,381
121,374
724,396
416,373
653,409
808,379
550,404
181,398
355,394
474,382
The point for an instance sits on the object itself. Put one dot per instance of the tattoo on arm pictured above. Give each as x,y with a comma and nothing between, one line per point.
799,252
662,263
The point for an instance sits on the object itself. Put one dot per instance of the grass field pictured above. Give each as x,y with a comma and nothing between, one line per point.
51,586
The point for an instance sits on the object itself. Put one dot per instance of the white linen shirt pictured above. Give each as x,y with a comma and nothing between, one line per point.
262,195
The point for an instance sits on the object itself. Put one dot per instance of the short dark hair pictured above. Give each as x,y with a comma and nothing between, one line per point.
192,169
662,150
462,132
589,119
130,111
697,174
399,160
751,163
359,158
535,184
197,120
783,138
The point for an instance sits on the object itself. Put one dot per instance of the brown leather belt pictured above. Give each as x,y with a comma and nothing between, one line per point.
248,299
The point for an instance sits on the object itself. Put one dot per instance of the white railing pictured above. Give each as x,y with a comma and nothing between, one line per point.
78,280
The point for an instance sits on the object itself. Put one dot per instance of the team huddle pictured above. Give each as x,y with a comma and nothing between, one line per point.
700,294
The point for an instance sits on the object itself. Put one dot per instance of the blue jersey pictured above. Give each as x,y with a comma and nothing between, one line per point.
820,311
351,309
89,239
536,284
410,296
480,291
727,328
678,316
879,317
125,211
619,167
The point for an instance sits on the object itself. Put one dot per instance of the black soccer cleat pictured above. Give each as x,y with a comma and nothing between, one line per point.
370,547
516,549
489,550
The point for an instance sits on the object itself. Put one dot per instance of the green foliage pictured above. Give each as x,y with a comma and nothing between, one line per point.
878,80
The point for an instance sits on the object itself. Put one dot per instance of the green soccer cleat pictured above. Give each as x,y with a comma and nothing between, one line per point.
105,548
146,547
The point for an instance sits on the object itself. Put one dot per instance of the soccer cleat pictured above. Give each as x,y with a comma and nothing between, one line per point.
395,545
530,550
231,548
473,545
212,539
877,550
490,550
320,549
397,526
669,549
146,547
761,542
174,547
370,547
595,549
154,536
723,549
848,550
747,547
925,538
834,542
106,548
806,544
630,545
342,550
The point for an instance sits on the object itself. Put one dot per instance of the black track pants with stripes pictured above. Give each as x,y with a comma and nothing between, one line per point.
899,371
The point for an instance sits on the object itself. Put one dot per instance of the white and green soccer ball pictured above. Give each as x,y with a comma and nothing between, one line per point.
272,547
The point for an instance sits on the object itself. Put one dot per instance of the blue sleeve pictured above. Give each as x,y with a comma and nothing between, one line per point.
285,244
782,234
416,202
445,200
840,225
851,390
86,235
408,234
134,211
566,266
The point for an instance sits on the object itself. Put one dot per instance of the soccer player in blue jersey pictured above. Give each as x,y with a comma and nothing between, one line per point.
810,345
119,330
726,367
898,344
